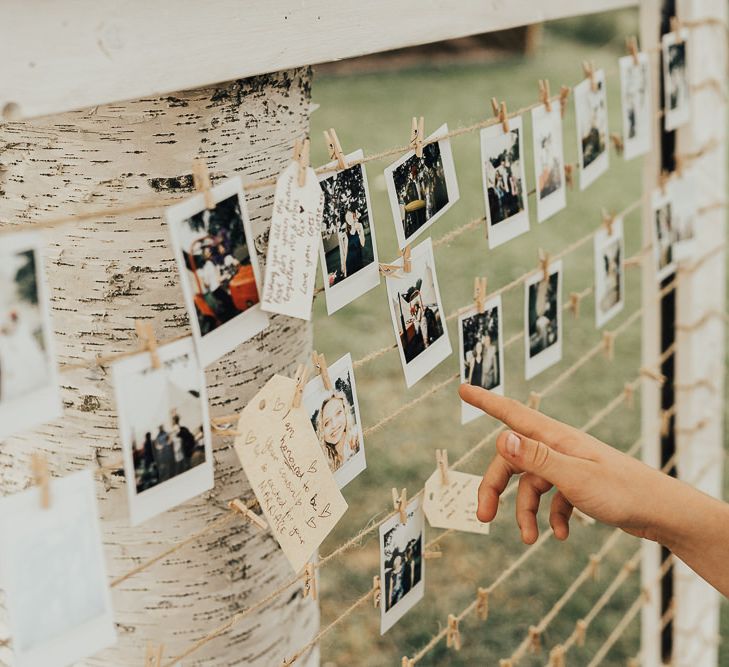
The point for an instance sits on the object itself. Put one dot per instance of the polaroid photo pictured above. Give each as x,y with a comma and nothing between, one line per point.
402,564
548,161
417,314
334,415
543,320
422,189
676,88
165,429
219,271
592,128
348,249
504,185
609,274
664,234
636,105
482,352
29,394
54,574
683,194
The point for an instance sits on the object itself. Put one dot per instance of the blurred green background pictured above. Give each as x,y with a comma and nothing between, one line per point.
372,111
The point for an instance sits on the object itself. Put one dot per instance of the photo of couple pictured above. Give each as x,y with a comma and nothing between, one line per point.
636,104
609,287
548,161
543,320
592,127
676,87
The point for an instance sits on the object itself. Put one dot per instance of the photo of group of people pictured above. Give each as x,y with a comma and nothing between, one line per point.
219,270
543,320
165,431
548,161
421,189
28,384
502,169
402,564
664,234
482,352
676,89
592,127
609,286
334,415
348,247
417,314
635,93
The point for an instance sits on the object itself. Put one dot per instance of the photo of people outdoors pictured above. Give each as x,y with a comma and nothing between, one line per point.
163,420
421,189
543,319
592,127
636,105
348,248
675,80
28,389
548,161
609,287
401,564
334,415
664,235
682,193
219,269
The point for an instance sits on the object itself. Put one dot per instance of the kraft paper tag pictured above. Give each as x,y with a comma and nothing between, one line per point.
453,505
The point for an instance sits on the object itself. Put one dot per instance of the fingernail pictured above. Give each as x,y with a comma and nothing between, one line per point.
513,444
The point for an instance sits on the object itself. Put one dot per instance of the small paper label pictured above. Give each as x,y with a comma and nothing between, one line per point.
288,471
288,286
453,505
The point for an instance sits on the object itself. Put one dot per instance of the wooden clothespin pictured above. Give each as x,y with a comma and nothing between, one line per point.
320,363
617,142
417,135
506,662
608,219
376,592
224,425
453,637
407,662
575,299
589,69
302,375
239,506
663,179
406,263
608,341
301,155
564,94
310,581
441,459
665,423
501,113
544,94
145,333
535,640
631,43
594,566
629,394
201,181
335,148
652,375
544,264
580,631
534,400
569,172
431,554
482,603
400,504
41,478
479,294
152,656
556,656
678,161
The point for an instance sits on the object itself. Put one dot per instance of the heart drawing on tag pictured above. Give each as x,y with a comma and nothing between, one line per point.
278,405
250,438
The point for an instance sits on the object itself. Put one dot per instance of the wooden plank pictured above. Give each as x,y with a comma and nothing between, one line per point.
59,56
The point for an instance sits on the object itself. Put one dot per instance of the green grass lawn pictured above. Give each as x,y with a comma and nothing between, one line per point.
373,112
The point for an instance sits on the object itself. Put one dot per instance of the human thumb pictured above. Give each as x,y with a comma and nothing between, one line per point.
527,455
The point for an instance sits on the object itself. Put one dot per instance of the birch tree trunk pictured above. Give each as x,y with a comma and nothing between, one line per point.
105,274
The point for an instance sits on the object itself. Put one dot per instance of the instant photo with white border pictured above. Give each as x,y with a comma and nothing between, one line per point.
134,381
583,109
227,336
663,241
363,280
604,240
547,125
493,143
414,529
313,399
449,174
636,105
54,574
675,117
683,193
422,263
24,405
552,353
468,411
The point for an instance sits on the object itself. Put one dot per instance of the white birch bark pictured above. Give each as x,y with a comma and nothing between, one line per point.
105,274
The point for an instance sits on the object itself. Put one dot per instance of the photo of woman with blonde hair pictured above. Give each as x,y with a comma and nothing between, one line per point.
336,429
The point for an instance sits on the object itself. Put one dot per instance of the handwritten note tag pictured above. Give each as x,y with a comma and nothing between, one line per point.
288,471
288,286
453,505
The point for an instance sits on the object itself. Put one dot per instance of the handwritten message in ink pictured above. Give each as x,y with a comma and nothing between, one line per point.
288,471
288,286
453,505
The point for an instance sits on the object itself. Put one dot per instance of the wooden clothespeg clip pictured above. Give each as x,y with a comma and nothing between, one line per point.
580,631
608,341
544,264
534,400
152,656
535,639
575,299
608,219
407,662
145,333
631,43
453,637
335,148
406,263
479,294
482,603
564,95
663,179
569,172
556,656
544,94
501,113
310,581
589,69
594,566
400,504
376,592
302,375
239,506
417,135
320,363
666,423
629,394
617,142
441,459
301,156
41,478
201,181
224,425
